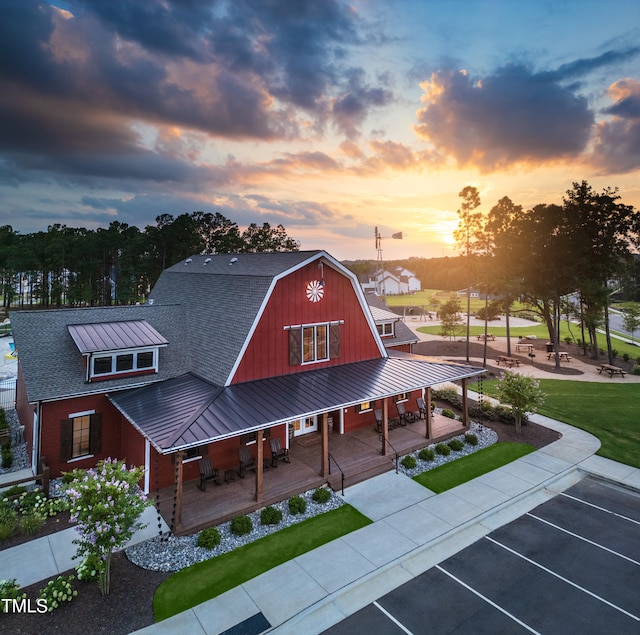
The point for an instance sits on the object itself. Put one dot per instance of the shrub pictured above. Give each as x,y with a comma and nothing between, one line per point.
31,522
455,444
7,457
443,449
427,454
448,413
241,525
209,538
625,357
297,505
408,462
568,339
90,568
321,495
10,590
471,438
448,394
57,591
68,477
7,529
15,490
636,370
270,516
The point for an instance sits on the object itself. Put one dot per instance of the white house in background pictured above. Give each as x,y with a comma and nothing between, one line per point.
395,281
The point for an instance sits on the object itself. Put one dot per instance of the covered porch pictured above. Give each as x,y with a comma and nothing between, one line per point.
355,456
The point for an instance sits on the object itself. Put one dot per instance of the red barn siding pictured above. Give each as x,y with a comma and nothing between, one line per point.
132,450
54,412
267,354
354,420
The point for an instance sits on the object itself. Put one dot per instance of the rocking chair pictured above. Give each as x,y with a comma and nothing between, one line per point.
207,473
278,452
247,462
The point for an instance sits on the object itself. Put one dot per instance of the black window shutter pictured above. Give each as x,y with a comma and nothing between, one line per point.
334,341
95,434
66,440
295,346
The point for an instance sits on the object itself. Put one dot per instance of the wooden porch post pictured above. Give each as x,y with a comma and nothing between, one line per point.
385,426
465,403
178,485
259,464
325,444
429,414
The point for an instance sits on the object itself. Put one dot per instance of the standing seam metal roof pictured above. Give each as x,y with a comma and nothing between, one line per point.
234,410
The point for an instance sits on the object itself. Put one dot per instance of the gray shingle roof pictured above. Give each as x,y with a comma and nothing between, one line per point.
52,365
187,411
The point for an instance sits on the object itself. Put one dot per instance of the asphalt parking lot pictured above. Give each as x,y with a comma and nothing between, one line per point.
571,565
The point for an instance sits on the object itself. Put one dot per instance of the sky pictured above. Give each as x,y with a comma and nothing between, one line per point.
331,118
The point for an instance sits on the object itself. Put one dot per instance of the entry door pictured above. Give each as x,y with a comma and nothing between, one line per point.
304,426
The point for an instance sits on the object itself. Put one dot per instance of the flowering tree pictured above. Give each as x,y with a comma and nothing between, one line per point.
106,503
521,392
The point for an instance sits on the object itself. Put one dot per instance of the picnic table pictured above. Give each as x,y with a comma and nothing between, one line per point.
612,370
488,337
508,361
524,346
564,357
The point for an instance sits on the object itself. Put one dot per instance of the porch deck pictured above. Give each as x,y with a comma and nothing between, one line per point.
357,454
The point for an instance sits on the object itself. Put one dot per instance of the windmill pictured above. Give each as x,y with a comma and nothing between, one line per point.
380,263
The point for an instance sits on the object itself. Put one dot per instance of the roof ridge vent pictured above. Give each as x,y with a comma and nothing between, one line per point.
188,260
207,261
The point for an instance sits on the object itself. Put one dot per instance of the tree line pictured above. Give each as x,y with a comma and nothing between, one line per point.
563,260
72,266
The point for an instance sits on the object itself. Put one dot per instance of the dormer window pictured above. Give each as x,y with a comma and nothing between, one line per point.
115,349
385,329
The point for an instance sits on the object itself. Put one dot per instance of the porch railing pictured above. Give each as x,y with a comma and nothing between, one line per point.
331,458
384,439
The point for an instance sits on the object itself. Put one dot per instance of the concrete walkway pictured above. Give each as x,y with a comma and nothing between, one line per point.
413,530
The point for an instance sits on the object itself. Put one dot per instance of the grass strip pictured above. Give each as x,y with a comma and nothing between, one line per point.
205,580
442,478
610,411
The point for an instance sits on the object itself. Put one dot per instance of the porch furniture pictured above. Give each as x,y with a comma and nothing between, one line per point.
378,415
422,408
247,462
207,473
278,452
405,417
612,370
508,361
564,357
229,475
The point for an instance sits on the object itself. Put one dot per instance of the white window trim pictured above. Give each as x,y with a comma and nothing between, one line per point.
115,354
315,360
84,413
80,458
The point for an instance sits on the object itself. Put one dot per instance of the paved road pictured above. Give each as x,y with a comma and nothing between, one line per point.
572,565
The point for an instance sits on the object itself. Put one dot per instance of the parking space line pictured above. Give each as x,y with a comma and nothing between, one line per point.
393,619
602,509
591,542
487,600
557,575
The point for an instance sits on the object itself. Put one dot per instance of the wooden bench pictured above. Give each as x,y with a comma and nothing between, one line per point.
612,370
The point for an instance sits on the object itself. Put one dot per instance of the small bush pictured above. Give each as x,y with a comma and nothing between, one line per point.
568,339
10,590
443,449
636,370
209,538
321,495
297,505
90,568
15,490
57,591
241,525
7,529
31,522
270,516
448,413
408,462
625,357
7,457
471,438
456,444
427,454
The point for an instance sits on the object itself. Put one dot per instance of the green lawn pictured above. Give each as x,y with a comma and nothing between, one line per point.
449,475
540,331
610,411
205,580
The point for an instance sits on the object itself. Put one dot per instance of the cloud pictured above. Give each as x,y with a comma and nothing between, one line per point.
512,116
617,139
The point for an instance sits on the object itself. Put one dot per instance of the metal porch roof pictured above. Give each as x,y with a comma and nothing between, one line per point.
188,411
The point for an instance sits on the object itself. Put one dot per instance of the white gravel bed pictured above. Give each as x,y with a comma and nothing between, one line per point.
177,552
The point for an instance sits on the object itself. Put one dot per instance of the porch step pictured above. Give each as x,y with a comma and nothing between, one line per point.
362,473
